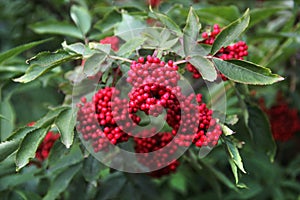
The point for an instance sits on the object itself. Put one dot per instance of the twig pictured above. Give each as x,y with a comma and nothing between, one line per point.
120,58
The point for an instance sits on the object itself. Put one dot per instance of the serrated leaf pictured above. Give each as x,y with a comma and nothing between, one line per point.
204,66
168,22
130,46
190,36
60,157
231,32
8,120
129,28
42,63
94,63
234,154
65,123
49,118
261,131
7,148
19,49
192,26
61,182
246,72
20,133
77,48
100,47
82,18
29,146
58,28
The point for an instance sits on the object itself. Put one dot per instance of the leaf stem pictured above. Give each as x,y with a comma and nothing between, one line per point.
120,58
180,62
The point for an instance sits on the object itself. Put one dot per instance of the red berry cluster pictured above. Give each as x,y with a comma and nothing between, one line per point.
113,41
154,3
284,120
44,148
153,70
234,51
98,119
154,89
154,143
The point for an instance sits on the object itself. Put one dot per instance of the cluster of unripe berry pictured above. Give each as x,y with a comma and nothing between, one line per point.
108,118
237,50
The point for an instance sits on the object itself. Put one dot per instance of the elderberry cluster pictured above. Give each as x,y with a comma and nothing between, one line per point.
98,122
278,115
237,50
145,144
154,89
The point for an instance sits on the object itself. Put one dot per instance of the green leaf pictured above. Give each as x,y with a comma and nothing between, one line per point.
234,170
221,15
103,48
77,48
6,123
259,14
13,180
226,130
190,36
234,154
44,62
29,146
49,118
61,182
65,123
130,46
91,169
7,148
26,195
3,117
60,157
82,18
204,66
58,28
246,72
192,26
111,186
168,22
21,133
219,175
230,33
19,49
178,182
261,131
94,63
129,28
109,21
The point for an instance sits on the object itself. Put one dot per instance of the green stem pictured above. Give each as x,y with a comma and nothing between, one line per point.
120,58
180,62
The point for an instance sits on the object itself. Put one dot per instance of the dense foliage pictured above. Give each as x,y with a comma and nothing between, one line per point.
149,99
